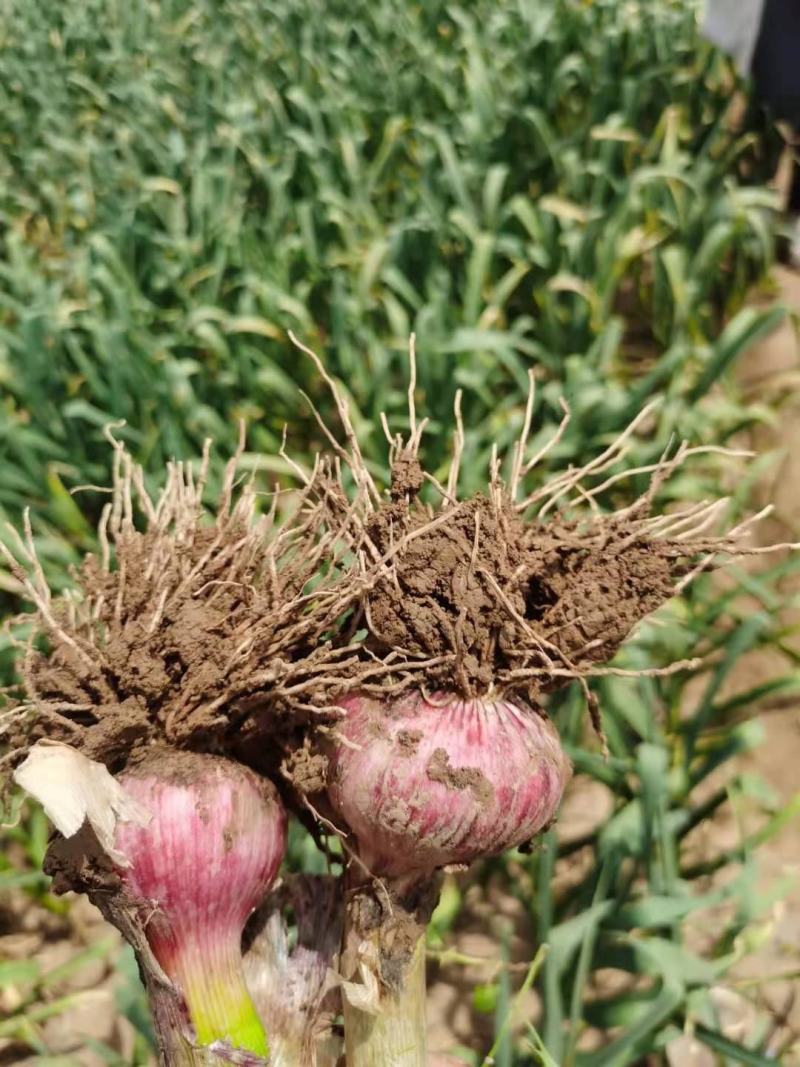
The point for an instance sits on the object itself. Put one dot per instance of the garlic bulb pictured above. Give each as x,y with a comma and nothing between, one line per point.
426,782
196,872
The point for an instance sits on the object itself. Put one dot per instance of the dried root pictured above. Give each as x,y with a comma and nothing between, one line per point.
231,631
513,592
203,631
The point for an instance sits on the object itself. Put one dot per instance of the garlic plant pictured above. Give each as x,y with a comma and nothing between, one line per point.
375,661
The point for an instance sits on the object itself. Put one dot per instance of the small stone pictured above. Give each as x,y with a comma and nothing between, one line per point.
19,946
92,1015
687,1051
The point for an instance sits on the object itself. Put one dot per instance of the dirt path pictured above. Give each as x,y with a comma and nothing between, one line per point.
770,373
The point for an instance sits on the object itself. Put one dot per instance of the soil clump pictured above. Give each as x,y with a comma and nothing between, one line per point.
196,632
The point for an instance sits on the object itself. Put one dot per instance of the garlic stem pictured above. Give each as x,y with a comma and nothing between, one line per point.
173,1045
210,977
397,1034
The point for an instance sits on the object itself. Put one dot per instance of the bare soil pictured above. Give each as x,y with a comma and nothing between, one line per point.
481,593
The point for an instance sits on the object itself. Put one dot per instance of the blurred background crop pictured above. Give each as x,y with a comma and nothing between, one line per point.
582,187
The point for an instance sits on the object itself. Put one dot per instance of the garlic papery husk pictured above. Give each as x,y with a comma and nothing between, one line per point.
424,782
292,945
74,790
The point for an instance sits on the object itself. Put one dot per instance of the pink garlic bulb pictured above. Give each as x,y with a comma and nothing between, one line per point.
428,782
197,871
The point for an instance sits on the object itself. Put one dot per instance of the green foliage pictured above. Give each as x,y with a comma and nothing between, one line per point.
27,828
526,184
36,999
36,1005
621,909
634,911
